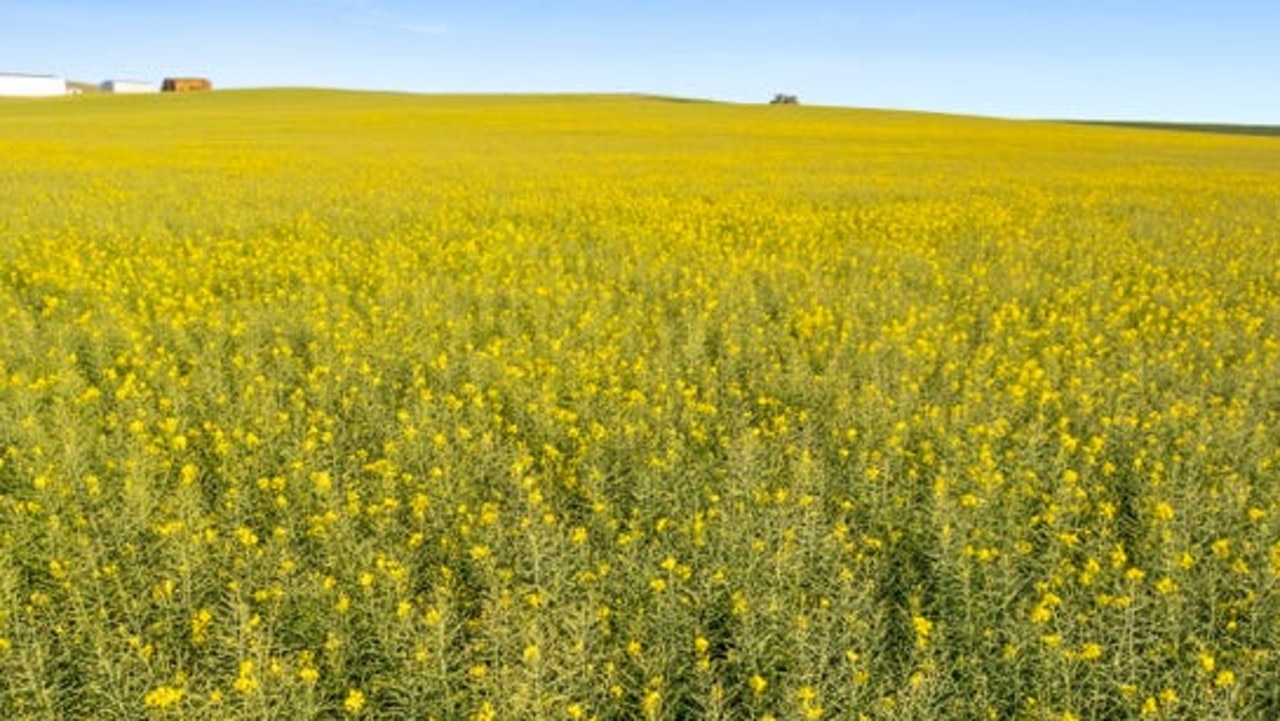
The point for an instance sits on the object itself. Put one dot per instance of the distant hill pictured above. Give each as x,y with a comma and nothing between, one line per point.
1217,128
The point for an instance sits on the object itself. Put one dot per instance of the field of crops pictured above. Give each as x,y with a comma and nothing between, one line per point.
317,404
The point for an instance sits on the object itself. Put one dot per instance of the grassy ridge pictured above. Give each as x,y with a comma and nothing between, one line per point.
322,404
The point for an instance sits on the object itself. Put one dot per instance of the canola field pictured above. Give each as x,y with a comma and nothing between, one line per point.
336,405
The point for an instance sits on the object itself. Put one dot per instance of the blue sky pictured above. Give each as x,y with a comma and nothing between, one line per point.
1203,60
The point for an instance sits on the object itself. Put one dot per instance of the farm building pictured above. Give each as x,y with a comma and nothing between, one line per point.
31,85
128,86
185,85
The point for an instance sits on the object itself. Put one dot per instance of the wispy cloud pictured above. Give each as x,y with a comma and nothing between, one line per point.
366,13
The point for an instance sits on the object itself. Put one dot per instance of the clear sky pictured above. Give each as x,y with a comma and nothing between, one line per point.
1194,60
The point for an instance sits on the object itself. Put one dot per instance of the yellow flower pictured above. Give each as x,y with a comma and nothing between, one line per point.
246,683
200,625
809,706
246,536
651,702
1090,652
354,703
163,697
1207,662
1221,547
923,627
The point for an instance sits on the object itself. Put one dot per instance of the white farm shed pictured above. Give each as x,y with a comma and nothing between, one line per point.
18,84
128,86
